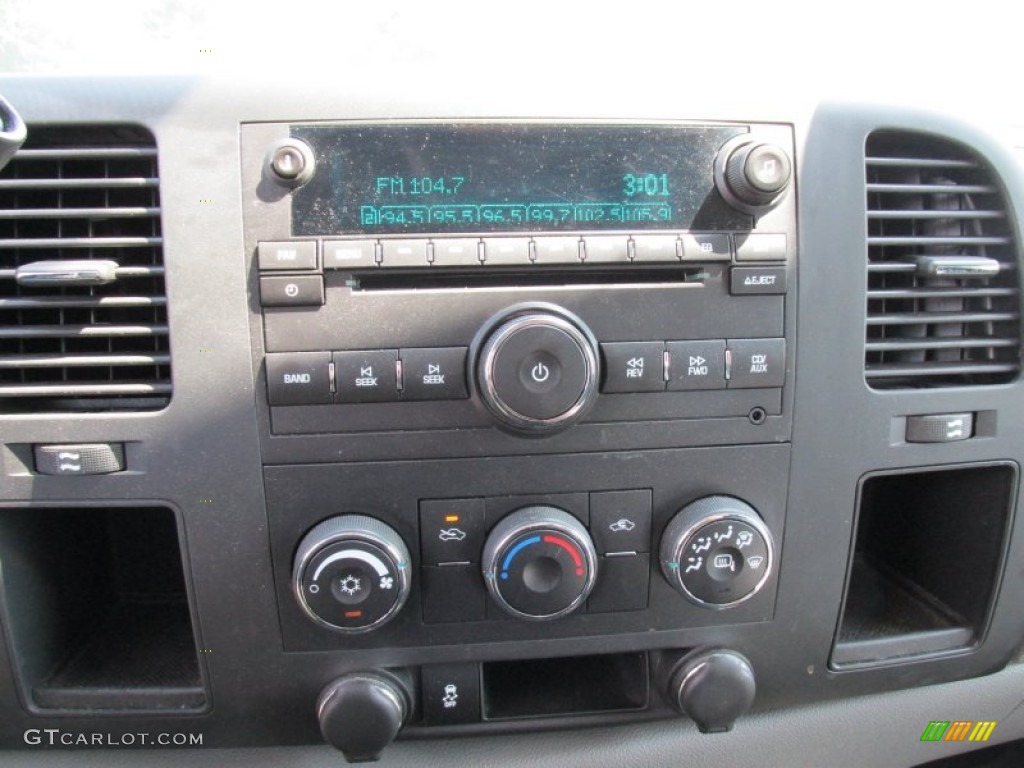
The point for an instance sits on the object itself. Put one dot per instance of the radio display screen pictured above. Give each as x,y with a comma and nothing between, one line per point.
442,178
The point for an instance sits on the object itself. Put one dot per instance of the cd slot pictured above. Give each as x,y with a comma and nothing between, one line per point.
397,280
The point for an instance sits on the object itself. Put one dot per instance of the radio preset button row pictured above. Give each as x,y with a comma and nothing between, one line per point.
428,252
553,249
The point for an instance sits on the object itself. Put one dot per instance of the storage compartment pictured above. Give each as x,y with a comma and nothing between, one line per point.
566,686
927,558
96,609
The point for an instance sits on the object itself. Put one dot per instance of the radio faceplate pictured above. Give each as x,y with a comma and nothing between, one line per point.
377,291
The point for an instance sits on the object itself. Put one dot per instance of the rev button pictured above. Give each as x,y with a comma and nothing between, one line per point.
634,366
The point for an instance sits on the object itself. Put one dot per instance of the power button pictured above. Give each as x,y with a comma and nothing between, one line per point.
538,370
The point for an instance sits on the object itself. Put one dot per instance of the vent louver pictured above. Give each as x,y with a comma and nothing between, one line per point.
75,197
943,302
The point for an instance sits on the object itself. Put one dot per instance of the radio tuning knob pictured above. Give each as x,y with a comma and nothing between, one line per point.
752,175
351,573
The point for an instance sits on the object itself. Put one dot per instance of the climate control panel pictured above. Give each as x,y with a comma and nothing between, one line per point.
533,559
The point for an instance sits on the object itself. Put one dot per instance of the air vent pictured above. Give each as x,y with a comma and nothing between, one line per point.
83,311
943,292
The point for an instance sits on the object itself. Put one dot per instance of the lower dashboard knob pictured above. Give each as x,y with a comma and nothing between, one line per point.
351,573
712,688
537,369
717,552
539,563
362,712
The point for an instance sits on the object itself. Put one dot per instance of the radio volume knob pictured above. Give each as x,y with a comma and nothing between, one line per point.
751,175
537,368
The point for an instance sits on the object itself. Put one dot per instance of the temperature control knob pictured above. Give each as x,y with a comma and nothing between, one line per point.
539,563
752,175
537,368
351,573
717,551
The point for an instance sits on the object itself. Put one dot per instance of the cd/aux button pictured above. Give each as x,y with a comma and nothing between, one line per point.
757,363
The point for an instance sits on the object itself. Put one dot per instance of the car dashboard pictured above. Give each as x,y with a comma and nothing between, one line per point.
505,427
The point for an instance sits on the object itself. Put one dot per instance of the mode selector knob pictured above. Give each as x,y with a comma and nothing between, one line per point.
752,175
539,563
351,573
717,551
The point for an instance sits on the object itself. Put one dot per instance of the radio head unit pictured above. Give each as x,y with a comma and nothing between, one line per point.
391,263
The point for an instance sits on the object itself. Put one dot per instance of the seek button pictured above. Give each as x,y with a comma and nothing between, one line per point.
434,374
